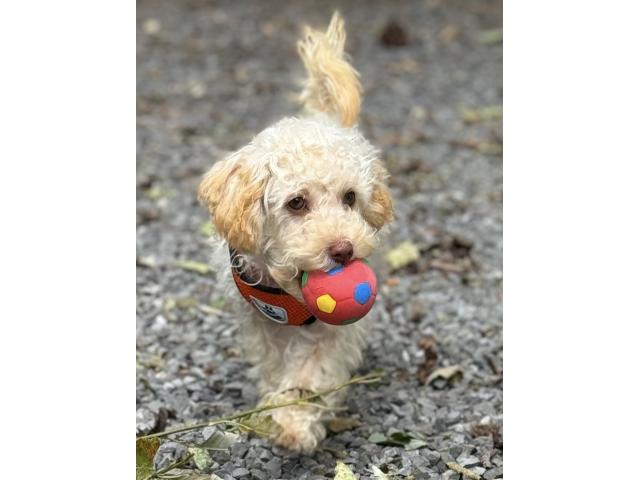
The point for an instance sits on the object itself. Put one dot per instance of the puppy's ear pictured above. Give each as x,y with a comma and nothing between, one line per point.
379,210
332,86
232,191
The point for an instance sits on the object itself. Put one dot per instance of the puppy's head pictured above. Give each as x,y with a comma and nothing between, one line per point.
305,194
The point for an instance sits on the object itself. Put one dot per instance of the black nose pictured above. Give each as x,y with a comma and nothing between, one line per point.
341,251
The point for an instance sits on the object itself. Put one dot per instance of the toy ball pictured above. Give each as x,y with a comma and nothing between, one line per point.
341,296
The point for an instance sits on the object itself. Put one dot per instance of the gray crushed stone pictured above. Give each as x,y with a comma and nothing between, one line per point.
210,75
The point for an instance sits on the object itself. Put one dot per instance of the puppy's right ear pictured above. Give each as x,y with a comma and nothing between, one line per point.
232,191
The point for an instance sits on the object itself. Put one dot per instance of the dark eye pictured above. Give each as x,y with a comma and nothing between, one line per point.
349,198
297,203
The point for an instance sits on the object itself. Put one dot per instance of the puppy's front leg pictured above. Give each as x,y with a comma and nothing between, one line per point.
316,357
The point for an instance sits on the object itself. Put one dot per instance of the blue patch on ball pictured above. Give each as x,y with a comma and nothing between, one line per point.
362,293
335,270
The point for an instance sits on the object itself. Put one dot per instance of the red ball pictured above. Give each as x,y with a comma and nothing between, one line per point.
341,296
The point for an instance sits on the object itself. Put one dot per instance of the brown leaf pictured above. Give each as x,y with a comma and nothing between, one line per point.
393,281
394,35
340,424
448,33
488,430
428,345
451,254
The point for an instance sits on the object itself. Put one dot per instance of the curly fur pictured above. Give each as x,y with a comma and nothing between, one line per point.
319,157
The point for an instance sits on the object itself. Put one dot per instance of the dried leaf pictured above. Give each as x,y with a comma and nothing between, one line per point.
146,449
403,255
445,376
448,33
393,281
190,475
379,474
147,262
151,26
191,266
340,424
428,345
263,425
201,457
489,430
181,303
465,472
219,441
343,472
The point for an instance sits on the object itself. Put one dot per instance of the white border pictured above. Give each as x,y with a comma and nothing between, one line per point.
67,109
572,240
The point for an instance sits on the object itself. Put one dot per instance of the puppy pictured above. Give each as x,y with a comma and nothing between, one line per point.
307,193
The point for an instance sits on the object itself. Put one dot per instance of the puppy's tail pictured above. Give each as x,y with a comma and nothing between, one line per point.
332,85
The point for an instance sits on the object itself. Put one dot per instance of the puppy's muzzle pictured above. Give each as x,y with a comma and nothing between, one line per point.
341,252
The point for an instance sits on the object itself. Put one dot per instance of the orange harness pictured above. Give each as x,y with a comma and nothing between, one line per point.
273,303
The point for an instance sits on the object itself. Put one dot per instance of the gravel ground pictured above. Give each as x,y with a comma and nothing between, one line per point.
209,77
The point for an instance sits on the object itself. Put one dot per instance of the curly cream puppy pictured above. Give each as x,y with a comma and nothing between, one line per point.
306,194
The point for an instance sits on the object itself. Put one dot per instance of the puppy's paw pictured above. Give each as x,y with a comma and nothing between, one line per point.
301,427
297,439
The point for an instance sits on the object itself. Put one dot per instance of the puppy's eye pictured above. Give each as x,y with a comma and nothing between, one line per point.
349,198
297,203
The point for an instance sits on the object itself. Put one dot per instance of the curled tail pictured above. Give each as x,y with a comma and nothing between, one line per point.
332,85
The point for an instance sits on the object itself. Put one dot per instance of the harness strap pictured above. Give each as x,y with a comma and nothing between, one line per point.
273,303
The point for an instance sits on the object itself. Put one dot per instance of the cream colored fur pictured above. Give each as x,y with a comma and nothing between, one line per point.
319,157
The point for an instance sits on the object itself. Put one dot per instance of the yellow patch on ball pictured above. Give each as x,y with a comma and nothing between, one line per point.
325,303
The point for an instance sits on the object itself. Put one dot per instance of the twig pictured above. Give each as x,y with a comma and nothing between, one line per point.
321,407
369,378
243,426
465,472
168,468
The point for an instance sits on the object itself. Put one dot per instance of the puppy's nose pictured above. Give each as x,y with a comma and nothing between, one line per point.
341,251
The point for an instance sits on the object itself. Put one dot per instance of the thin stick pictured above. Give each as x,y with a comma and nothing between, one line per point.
369,378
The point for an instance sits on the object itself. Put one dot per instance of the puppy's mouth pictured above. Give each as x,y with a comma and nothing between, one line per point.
326,265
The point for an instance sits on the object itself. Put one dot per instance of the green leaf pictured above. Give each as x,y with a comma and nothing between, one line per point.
219,303
146,449
219,441
340,424
489,37
201,458
191,266
403,255
379,474
378,438
343,472
156,192
207,229
409,442
482,114
398,439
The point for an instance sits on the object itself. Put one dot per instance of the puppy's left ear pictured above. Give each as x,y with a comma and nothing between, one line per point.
232,191
379,210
